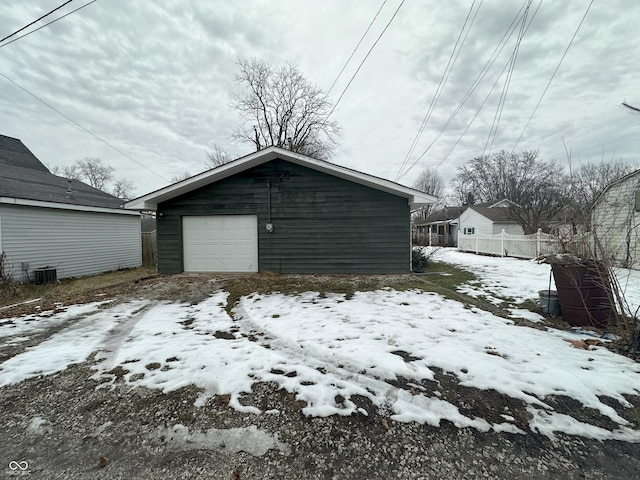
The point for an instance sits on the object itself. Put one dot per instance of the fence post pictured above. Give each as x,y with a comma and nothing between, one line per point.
476,233
502,244
538,239
430,235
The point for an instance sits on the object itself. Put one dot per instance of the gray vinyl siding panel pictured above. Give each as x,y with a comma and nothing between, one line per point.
322,223
75,243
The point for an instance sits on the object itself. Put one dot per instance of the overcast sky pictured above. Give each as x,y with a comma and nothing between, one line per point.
156,79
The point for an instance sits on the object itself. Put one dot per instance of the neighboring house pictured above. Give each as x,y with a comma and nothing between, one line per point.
616,220
439,228
489,218
276,210
66,226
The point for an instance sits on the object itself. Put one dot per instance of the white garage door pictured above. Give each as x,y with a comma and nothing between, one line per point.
220,243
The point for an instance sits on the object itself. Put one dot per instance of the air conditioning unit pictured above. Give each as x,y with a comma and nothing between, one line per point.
45,275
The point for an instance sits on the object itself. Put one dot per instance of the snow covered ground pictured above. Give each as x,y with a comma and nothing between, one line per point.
327,349
519,280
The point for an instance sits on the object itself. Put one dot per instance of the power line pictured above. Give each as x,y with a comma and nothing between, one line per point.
553,75
479,78
356,47
364,60
36,21
443,79
475,115
46,24
505,88
82,127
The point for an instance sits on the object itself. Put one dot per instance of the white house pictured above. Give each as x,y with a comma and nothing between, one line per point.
66,228
616,220
488,218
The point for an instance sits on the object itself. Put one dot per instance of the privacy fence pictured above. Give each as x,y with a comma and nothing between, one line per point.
522,246
149,248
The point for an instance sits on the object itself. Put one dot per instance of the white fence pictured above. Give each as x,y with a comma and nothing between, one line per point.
508,245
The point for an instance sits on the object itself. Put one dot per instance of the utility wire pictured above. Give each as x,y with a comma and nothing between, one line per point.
553,75
505,88
46,24
443,79
479,78
356,47
484,101
364,60
82,127
36,21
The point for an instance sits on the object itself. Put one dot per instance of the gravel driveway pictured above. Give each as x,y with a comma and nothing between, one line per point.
66,426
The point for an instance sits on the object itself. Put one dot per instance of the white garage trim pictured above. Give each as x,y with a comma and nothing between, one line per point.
220,243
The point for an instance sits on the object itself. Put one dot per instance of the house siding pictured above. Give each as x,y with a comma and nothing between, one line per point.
616,223
75,243
322,223
472,219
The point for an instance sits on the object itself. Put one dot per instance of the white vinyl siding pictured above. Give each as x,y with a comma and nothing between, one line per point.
220,243
616,222
75,243
472,219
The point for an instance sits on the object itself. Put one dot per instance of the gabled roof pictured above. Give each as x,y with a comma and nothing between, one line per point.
615,182
151,200
446,215
24,180
495,211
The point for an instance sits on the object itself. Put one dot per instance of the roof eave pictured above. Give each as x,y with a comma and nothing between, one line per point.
150,201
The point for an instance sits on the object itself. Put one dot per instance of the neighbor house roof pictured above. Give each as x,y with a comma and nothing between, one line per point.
615,182
447,214
24,180
151,200
493,212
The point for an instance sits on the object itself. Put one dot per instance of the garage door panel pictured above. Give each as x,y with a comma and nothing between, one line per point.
220,243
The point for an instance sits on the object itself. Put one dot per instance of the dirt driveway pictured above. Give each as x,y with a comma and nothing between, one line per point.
64,426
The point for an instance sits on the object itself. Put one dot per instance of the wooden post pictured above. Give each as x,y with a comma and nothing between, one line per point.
502,243
430,235
538,239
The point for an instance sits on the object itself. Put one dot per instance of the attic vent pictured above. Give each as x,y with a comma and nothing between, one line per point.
69,193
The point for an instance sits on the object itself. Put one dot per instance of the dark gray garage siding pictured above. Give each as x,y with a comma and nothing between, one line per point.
322,223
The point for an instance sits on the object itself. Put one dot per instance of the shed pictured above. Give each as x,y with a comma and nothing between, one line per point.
276,210
50,222
616,220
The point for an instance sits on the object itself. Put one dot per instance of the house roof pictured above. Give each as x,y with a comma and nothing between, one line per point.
447,214
151,200
24,180
615,182
493,213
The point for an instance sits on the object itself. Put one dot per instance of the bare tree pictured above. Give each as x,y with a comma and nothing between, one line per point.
218,157
429,181
178,178
95,172
281,108
536,186
590,179
123,189
98,175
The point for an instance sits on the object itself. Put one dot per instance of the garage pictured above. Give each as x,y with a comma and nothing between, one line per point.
278,211
220,243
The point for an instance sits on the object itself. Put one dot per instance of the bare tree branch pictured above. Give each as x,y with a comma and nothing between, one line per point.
281,108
